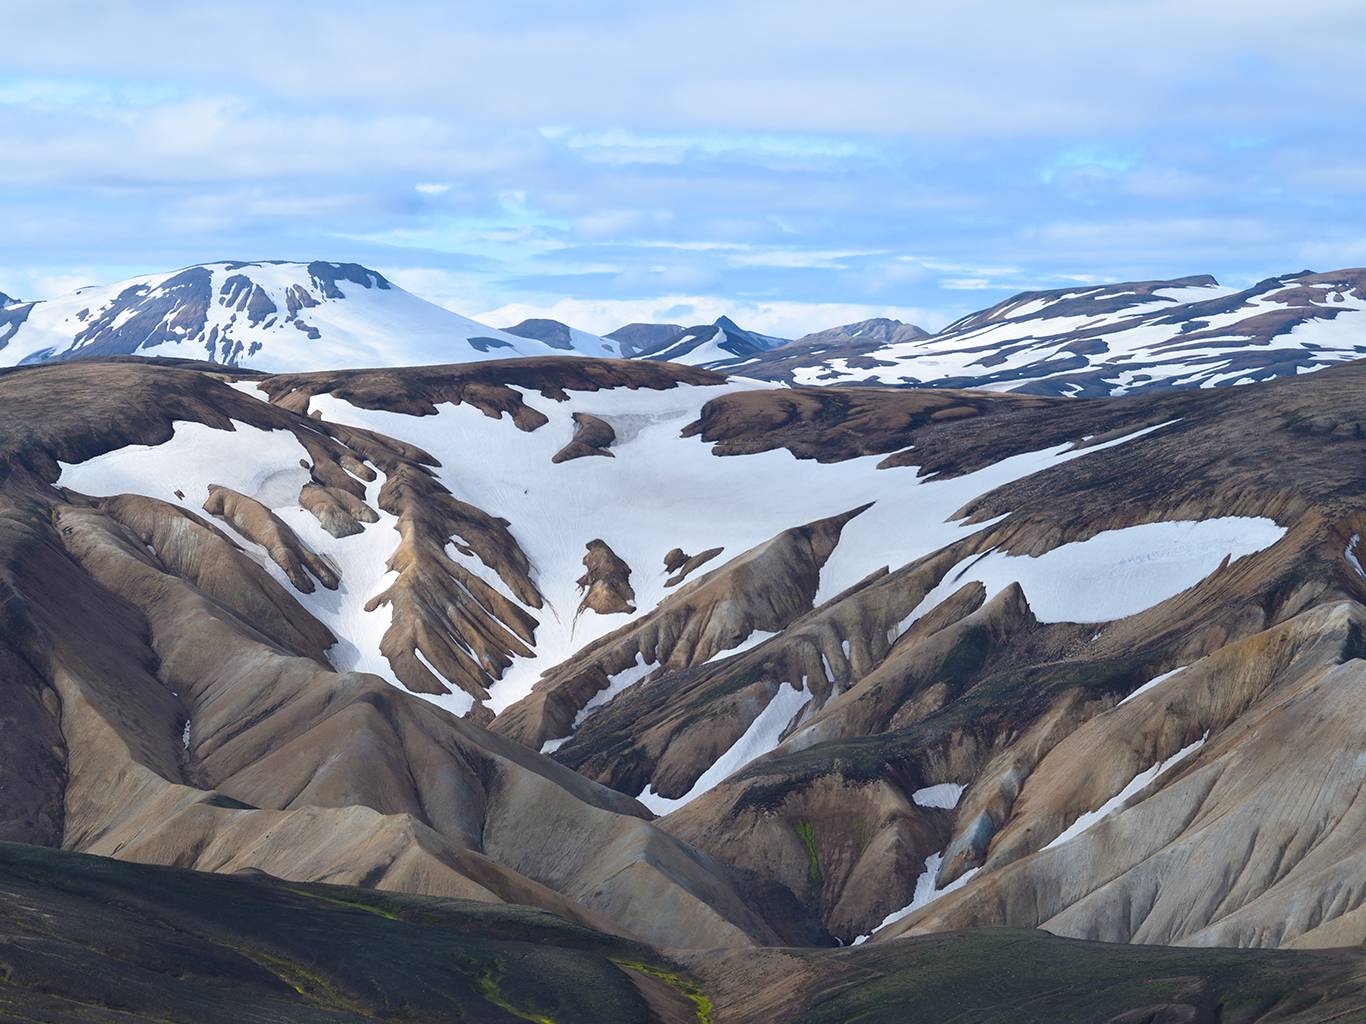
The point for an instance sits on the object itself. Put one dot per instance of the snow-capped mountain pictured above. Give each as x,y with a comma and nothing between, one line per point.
722,344
1111,340
274,316
637,337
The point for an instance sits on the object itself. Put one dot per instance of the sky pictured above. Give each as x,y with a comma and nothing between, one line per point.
794,165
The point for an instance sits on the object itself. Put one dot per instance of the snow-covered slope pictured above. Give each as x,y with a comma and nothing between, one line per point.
1115,339
660,490
274,316
854,630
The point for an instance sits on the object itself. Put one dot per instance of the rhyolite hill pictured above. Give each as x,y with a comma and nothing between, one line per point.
721,672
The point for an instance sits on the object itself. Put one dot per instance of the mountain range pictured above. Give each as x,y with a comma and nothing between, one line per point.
1089,341
718,672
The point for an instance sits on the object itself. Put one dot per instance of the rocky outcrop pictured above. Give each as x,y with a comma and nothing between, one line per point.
682,565
592,436
339,512
260,525
607,583
763,589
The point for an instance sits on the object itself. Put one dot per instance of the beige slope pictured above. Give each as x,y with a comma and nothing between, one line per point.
354,780
1254,839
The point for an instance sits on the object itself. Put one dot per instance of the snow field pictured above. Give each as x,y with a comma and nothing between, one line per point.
658,491
1113,574
661,491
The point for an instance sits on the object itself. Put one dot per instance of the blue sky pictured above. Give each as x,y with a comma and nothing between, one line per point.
792,164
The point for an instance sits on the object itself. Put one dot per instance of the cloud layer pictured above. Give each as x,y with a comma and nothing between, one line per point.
598,158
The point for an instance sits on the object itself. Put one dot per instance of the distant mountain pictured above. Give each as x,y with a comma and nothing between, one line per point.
851,344
563,337
722,344
274,316
1110,340
638,337
5,300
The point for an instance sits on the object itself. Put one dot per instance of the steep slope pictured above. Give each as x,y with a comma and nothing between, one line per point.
276,316
1110,340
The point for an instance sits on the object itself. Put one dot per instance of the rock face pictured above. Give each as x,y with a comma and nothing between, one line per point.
975,659
592,436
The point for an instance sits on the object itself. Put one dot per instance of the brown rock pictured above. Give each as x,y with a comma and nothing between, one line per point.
262,526
607,581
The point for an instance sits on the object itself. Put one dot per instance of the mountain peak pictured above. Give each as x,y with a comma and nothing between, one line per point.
272,315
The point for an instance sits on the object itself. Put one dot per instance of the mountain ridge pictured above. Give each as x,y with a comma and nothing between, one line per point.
268,314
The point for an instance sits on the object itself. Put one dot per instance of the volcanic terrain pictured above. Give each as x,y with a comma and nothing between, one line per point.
719,674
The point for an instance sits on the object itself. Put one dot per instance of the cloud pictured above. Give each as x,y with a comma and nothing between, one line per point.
770,156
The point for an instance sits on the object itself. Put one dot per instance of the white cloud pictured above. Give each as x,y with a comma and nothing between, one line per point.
603,151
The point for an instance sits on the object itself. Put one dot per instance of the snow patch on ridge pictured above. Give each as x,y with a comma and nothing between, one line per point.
760,738
1151,683
1117,802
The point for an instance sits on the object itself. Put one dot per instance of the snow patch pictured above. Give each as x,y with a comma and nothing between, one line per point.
753,640
925,892
1351,556
618,683
1116,573
1151,683
1116,803
761,737
945,795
